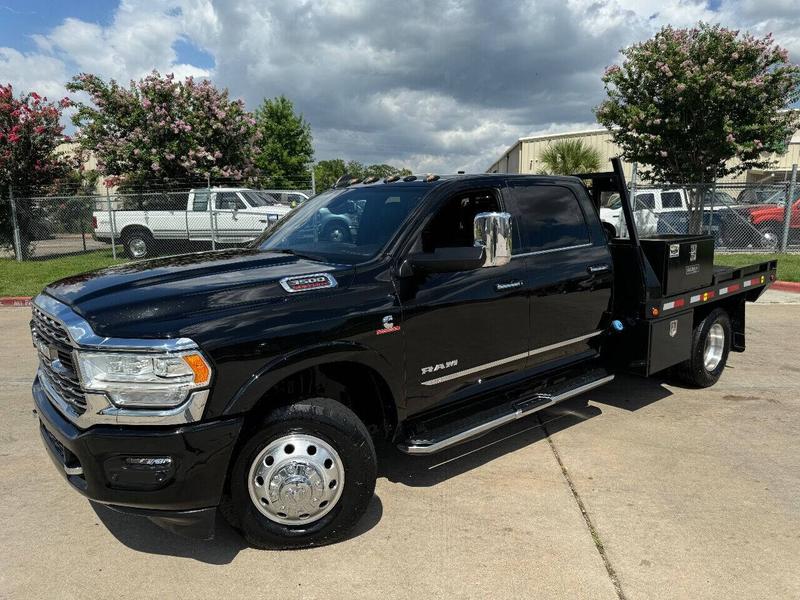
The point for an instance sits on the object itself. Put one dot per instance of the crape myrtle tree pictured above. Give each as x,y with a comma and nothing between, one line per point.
160,132
30,162
567,157
284,151
694,105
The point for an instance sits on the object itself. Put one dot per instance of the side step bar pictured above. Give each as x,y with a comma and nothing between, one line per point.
524,408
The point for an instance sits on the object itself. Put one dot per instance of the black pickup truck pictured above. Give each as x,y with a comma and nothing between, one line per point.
258,381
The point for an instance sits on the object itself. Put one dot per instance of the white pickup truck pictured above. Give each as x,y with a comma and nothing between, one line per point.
213,217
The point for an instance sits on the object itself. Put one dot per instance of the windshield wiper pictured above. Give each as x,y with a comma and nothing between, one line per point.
296,253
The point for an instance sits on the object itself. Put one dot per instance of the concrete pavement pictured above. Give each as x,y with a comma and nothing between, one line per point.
650,491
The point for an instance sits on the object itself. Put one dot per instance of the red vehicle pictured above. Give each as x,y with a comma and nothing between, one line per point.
768,219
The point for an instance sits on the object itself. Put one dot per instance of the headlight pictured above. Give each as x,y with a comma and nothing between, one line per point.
143,380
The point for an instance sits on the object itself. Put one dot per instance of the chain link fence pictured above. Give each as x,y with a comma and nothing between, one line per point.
742,217
131,226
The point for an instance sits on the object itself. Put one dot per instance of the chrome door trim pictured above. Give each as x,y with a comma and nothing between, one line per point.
580,338
551,250
516,357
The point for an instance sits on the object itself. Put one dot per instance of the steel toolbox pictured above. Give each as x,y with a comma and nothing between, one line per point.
682,263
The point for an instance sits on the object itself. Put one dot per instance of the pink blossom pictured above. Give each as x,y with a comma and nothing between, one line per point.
730,138
664,153
681,87
155,166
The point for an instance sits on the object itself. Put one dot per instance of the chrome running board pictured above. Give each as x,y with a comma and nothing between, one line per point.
472,432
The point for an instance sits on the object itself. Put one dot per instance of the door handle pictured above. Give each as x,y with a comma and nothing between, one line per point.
263,221
508,285
601,268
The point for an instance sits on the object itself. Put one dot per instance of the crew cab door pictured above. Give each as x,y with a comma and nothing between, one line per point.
235,222
461,331
564,251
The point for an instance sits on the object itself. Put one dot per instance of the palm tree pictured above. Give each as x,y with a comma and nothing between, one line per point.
567,157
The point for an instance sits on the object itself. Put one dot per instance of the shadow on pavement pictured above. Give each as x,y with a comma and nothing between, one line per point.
626,392
141,535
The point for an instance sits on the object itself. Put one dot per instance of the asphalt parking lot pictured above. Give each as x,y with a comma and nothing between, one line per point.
650,491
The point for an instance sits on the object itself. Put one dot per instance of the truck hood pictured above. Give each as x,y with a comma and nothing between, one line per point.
161,297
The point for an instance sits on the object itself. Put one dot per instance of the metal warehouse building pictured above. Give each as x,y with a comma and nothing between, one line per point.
525,156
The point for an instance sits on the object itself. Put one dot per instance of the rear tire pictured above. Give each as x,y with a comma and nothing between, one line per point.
711,344
304,478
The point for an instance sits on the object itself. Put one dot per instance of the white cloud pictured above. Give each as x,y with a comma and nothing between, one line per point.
432,85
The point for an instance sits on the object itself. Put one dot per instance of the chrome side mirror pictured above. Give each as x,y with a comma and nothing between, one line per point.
493,234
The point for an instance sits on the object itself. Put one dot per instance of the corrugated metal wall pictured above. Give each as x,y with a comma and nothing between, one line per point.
524,157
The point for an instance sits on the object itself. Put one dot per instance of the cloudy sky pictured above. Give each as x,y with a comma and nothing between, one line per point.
432,85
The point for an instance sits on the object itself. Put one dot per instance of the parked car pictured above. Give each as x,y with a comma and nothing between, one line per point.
259,380
649,205
667,211
218,216
768,222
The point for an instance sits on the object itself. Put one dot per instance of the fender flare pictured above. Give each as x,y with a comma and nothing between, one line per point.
254,389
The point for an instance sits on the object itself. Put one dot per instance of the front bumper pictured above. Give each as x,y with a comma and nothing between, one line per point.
179,493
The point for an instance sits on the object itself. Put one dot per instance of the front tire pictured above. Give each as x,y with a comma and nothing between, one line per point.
711,344
138,244
770,237
304,478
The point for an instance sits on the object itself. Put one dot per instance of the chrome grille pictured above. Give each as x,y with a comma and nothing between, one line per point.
55,359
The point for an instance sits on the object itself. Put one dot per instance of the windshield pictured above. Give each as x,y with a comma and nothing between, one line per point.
259,199
347,226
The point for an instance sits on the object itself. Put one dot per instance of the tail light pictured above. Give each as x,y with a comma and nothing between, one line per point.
94,222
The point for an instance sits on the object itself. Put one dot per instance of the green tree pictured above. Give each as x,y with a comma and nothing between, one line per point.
164,131
327,172
567,157
284,151
693,105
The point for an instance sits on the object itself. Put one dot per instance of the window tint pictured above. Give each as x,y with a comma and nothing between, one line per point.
200,202
645,201
547,217
453,224
228,201
671,200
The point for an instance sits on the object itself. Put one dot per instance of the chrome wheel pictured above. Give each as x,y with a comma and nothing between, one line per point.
769,239
296,480
138,247
714,347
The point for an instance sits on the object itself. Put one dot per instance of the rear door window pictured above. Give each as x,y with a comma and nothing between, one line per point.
546,217
671,200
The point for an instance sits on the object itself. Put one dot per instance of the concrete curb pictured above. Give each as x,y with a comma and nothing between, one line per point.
12,301
787,286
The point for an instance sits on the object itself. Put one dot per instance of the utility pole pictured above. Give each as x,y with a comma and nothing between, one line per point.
787,216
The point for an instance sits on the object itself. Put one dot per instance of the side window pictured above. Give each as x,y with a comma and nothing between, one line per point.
200,202
645,201
228,201
452,226
547,217
671,200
